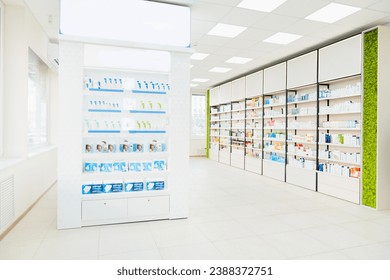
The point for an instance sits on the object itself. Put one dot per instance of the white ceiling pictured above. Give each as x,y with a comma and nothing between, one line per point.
289,17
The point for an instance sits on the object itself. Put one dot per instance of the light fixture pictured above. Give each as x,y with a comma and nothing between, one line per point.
282,38
199,56
193,85
150,22
220,69
261,5
332,13
226,30
238,60
200,80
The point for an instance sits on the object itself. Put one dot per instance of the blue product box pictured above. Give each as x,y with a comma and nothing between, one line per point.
159,165
147,166
155,185
134,166
124,148
120,166
92,188
136,148
134,186
106,167
113,187
90,166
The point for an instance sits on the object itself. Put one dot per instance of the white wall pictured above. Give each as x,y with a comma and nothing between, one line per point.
33,173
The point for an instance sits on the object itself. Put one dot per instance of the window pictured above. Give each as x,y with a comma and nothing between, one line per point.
198,126
37,101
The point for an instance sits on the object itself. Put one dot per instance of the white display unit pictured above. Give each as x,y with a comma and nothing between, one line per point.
118,161
214,133
302,136
339,140
238,134
254,134
274,135
225,114
302,121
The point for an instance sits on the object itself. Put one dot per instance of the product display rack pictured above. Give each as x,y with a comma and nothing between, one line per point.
125,143
302,136
254,134
225,114
274,135
237,157
339,158
214,133
117,117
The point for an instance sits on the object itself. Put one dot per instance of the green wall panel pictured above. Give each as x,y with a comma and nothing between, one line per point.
370,97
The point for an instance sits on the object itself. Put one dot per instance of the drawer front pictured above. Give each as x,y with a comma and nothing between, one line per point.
148,206
104,209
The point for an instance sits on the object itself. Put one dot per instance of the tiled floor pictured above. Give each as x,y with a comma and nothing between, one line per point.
233,215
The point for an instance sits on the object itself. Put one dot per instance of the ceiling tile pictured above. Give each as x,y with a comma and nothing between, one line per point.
213,40
362,18
383,6
241,44
275,22
243,17
228,51
357,3
232,3
255,34
331,31
304,27
300,8
208,11
201,26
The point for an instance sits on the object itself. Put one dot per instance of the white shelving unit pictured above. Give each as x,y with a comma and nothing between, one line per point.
225,138
116,161
340,120
254,134
302,121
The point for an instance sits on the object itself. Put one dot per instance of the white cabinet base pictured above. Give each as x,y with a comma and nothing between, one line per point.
214,155
301,177
273,169
123,210
237,160
253,164
340,187
224,157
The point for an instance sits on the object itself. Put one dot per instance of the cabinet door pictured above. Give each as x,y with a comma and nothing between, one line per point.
302,71
341,59
275,78
254,84
214,96
148,206
238,89
225,93
104,209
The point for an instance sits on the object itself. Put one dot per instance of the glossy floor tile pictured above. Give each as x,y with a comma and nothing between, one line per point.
234,214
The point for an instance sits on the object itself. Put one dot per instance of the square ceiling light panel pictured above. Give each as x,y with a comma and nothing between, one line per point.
199,56
220,70
129,21
332,13
261,5
226,30
200,80
282,38
238,60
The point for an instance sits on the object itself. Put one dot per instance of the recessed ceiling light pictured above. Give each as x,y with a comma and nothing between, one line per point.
226,30
191,66
238,60
193,85
282,38
261,5
199,56
332,13
200,80
220,69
